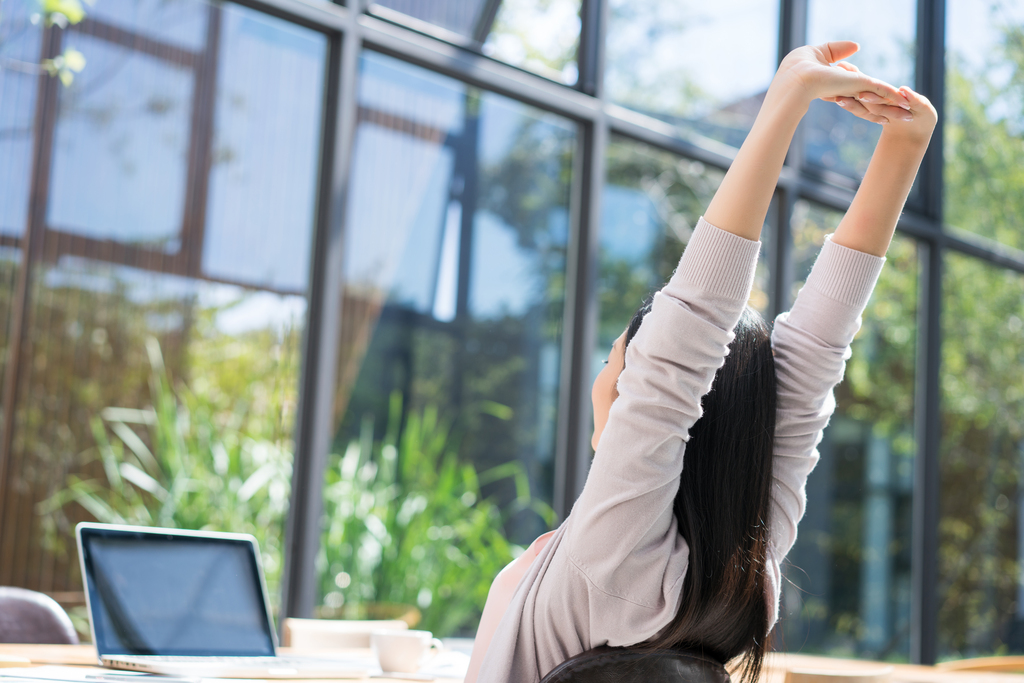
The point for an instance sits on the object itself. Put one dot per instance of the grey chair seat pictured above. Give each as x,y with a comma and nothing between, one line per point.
30,617
625,665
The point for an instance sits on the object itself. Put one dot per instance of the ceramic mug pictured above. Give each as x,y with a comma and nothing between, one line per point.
403,651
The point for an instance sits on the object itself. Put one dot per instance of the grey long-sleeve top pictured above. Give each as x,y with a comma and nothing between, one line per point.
613,573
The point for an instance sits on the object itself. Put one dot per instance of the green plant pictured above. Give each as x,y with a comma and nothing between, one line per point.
406,523
198,468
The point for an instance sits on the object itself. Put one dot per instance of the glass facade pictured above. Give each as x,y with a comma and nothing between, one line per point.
980,530
234,253
168,280
836,140
666,60
20,41
541,36
454,288
984,131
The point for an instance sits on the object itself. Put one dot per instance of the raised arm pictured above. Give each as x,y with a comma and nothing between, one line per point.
741,202
869,224
812,342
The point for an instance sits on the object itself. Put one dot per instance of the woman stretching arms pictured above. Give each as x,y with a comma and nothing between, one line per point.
706,427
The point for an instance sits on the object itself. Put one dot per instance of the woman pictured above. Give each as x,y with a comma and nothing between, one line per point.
706,426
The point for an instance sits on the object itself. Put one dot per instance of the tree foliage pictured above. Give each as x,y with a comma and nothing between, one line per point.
981,540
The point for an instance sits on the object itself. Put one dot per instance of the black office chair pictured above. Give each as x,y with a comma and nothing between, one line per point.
30,617
626,665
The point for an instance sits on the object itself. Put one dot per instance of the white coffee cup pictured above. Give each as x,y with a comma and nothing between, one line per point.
403,651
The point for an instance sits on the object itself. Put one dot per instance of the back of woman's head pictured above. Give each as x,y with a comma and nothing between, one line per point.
723,503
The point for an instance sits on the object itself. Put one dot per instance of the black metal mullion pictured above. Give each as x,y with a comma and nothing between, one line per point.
485,22
925,515
315,423
931,81
792,26
467,171
580,316
792,34
590,54
925,518
780,272
579,329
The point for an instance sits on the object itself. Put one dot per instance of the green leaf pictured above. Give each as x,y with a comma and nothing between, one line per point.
256,481
129,416
107,455
72,10
143,480
136,445
498,410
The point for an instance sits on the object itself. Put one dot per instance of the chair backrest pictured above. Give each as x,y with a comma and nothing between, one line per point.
30,617
329,634
626,665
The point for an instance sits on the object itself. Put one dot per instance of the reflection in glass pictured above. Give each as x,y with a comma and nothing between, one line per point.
652,201
847,589
19,52
667,60
984,119
541,36
172,275
178,23
132,134
981,534
837,140
452,307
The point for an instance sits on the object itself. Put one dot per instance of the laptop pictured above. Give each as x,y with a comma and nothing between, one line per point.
187,603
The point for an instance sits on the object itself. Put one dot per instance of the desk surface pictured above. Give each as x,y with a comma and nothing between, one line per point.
85,655
775,670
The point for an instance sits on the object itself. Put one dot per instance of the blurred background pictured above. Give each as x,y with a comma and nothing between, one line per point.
340,276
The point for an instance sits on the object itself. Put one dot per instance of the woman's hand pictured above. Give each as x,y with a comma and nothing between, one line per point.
807,73
818,72
869,224
915,125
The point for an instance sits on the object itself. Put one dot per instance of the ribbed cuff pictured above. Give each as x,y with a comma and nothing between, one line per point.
719,262
845,275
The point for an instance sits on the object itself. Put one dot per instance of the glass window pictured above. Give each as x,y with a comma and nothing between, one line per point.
667,60
132,133
179,24
448,380
19,59
847,587
652,201
984,119
981,532
160,363
837,140
537,35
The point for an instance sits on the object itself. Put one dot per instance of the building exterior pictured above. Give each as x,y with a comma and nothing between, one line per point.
258,257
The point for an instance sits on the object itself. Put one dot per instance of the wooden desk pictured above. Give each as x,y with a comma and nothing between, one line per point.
777,663
776,666
85,655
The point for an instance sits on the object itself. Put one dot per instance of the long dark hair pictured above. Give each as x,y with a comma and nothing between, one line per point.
723,504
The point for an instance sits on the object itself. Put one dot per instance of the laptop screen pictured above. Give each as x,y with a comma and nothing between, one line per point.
155,592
